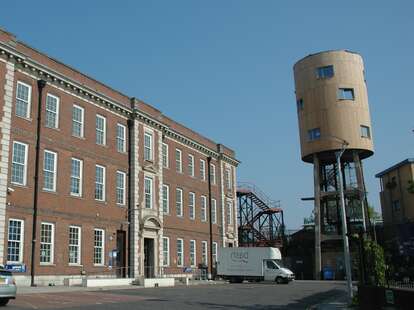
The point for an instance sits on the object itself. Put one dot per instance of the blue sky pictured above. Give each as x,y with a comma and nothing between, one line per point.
224,68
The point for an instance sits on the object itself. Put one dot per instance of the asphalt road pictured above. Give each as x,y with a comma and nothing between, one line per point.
296,295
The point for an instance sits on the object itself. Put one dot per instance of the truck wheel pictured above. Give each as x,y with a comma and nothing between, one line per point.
279,280
3,301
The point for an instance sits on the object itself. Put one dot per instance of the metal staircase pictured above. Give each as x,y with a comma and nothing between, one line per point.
260,218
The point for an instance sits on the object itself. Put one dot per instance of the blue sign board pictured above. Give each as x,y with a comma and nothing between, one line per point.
15,267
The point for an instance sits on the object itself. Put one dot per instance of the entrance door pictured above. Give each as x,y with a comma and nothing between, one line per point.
121,253
149,271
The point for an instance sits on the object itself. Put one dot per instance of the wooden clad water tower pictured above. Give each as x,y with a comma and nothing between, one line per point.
333,114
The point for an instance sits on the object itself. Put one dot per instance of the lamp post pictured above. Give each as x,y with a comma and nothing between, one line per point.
347,256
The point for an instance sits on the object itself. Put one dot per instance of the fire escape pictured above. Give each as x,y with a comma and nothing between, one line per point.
260,218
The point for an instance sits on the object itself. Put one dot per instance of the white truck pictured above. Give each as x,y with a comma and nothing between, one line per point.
253,264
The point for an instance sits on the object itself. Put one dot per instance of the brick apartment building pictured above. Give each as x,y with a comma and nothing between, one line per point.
114,186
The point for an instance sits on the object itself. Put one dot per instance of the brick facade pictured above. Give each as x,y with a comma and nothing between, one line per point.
139,222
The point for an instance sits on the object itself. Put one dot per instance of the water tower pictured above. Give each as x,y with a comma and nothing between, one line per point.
333,114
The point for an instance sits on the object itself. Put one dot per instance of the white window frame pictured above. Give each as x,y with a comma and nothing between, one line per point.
194,253
214,254
191,165
179,202
29,99
368,131
81,122
56,124
148,148
78,246
203,169
53,171
21,241
119,189
227,173
164,150
103,183
213,210
148,192
203,208
102,247
103,130
213,174
120,139
178,160
165,252
26,148
204,252
166,199
52,243
192,206
181,253
80,178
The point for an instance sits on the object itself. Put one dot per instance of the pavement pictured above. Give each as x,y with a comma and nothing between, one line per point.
310,295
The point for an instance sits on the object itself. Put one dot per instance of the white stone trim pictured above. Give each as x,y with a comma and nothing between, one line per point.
4,155
134,250
223,206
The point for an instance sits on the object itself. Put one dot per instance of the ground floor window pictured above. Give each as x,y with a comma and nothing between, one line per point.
47,231
74,245
180,252
165,251
204,252
98,248
192,253
214,252
15,241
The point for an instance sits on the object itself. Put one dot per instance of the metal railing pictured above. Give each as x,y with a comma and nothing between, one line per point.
271,203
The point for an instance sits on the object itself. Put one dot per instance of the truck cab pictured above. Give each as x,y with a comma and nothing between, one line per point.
272,271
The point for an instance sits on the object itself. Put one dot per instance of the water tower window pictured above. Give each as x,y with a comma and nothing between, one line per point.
396,205
325,72
346,94
365,132
314,134
299,103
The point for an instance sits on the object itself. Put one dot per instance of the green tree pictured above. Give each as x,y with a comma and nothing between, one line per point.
410,187
375,263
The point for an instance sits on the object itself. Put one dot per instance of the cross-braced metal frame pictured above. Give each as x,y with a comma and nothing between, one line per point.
260,219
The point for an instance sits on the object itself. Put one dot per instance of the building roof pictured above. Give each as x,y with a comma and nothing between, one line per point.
404,162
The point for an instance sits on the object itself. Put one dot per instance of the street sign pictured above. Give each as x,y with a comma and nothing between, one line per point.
15,267
389,297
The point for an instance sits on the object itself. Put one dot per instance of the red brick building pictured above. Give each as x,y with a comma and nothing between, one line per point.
111,185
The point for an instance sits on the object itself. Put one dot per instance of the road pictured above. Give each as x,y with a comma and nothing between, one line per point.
296,295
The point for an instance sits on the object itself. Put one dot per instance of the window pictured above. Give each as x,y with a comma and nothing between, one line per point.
227,176
325,72
76,177
49,171
120,138
191,165
213,211
74,245
165,199
99,183
178,162
77,121
396,205
229,212
204,208
204,259
165,155
314,134
47,232
193,260
120,187
179,201
15,241
346,93
214,254
365,132
180,252
299,104
191,205
23,98
52,111
213,174
203,169
19,163
148,192
99,247
100,130
148,146
165,251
